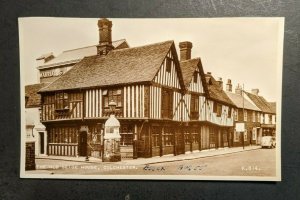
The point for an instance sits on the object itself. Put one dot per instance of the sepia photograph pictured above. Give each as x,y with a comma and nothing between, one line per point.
164,98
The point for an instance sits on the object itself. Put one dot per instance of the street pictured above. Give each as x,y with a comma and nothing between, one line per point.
260,162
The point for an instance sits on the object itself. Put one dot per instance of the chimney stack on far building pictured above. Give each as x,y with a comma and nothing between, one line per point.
229,86
255,91
105,42
185,50
239,89
220,82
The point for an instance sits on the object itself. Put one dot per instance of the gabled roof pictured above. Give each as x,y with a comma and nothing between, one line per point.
188,68
215,92
75,55
238,101
124,66
33,99
260,102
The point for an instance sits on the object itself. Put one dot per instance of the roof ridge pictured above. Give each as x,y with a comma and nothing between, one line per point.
152,44
91,46
79,48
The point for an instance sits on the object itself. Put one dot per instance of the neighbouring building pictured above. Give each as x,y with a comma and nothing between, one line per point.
219,111
268,115
51,67
247,113
35,130
207,112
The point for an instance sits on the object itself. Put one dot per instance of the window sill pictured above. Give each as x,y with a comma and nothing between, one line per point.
64,109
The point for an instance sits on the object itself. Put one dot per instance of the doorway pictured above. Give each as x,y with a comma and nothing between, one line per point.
42,143
82,144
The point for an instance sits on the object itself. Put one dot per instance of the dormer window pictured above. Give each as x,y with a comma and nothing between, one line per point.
168,64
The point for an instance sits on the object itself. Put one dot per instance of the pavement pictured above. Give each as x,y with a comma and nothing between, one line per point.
154,160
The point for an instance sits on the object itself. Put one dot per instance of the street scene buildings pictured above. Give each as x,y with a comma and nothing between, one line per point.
164,102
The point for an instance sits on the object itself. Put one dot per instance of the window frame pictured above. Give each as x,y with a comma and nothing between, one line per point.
195,77
61,101
167,103
229,114
245,115
219,110
236,115
112,94
194,106
168,64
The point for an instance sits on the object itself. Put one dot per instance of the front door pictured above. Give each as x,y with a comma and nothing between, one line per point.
82,144
179,137
42,151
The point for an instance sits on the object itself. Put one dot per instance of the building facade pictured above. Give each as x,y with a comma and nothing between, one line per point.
163,110
268,114
35,130
245,113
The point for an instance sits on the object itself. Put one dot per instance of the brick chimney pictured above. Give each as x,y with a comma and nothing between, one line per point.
239,90
220,82
228,86
105,42
255,91
185,50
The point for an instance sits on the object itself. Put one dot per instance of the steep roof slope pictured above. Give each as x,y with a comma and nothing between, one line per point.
215,92
33,99
188,68
124,66
241,102
260,102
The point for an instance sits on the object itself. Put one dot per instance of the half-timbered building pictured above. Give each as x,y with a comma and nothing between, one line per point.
207,111
165,106
145,82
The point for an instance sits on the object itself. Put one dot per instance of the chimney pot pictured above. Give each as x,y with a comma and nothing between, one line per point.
185,50
229,86
255,91
220,82
238,90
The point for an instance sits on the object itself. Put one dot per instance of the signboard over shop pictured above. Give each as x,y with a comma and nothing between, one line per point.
240,127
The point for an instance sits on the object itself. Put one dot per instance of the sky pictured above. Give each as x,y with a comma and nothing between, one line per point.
246,50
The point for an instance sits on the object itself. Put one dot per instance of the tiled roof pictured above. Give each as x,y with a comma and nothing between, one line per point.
75,55
238,101
273,106
124,66
215,92
188,68
260,102
33,99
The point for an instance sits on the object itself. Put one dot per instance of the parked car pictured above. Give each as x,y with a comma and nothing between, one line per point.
268,141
